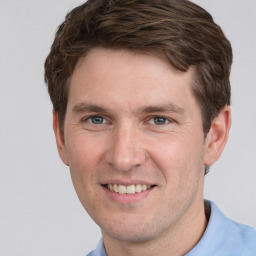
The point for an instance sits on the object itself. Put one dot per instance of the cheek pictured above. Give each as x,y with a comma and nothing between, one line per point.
82,170
83,153
180,164
83,161
180,160
170,154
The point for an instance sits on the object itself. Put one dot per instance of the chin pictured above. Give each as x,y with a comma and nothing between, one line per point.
130,236
134,231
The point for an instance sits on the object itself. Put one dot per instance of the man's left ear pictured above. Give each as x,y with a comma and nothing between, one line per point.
217,136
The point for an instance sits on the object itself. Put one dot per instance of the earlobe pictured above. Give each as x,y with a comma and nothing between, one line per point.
59,139
217,136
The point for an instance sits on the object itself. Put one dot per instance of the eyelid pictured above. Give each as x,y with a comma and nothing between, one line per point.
170,120
106,120
86,118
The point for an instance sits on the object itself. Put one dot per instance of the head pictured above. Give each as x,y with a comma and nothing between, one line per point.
181,32
140,92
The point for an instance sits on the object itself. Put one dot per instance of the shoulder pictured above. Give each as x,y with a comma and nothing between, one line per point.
236,238
225,237
243,238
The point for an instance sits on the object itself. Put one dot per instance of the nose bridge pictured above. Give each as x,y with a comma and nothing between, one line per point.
126,150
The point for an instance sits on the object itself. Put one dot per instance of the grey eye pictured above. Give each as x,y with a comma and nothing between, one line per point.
159,120
97,119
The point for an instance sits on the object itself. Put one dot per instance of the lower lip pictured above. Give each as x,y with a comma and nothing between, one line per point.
128,198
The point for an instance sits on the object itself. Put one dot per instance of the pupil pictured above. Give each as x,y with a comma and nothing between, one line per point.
97,120
159,120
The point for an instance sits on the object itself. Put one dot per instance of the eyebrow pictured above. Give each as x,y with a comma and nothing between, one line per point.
83,107
169,108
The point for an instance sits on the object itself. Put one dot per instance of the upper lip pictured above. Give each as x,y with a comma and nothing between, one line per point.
127,182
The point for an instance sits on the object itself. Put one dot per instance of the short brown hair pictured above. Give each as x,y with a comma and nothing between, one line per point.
182,32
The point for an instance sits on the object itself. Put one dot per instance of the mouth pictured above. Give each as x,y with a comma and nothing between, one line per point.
131,189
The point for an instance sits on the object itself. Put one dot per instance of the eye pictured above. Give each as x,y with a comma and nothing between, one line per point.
95,123
159,120
96,120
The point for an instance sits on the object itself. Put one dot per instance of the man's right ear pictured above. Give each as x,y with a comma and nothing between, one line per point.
59,138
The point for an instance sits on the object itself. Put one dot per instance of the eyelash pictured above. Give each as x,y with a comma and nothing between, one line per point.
87,119
104,120
160,117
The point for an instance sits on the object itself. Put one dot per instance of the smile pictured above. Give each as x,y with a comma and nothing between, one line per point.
131,189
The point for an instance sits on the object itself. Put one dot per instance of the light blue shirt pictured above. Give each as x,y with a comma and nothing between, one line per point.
222,237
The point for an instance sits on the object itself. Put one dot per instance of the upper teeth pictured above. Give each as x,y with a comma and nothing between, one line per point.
131,189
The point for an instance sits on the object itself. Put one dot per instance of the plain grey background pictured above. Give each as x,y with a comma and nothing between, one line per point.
39,210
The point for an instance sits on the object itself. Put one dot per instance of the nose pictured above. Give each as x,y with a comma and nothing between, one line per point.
126,150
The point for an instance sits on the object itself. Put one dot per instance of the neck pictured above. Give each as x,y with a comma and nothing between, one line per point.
177,241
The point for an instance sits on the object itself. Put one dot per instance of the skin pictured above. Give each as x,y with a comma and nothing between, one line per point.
132,119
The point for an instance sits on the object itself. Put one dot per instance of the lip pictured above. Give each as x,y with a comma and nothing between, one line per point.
127,198
127,182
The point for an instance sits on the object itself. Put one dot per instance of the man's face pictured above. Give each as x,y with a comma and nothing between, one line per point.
132,124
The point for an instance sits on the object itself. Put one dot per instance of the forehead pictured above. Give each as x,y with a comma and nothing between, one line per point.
130,77
98,57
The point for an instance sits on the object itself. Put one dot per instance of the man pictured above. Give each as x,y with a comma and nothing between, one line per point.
141,98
